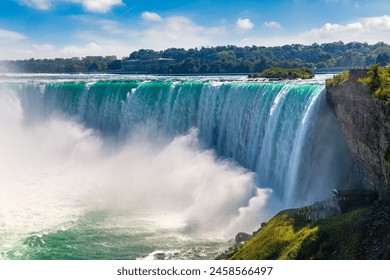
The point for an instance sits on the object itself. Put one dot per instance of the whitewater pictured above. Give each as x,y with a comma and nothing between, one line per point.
160,167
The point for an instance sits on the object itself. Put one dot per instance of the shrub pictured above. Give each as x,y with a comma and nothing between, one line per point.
378,82
338,79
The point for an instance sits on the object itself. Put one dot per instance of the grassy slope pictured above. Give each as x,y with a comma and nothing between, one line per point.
289,236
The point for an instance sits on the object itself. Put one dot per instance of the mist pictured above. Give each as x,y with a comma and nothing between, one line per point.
54,170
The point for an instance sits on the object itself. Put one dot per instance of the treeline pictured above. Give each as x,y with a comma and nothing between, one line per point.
223,59
232,59
89,64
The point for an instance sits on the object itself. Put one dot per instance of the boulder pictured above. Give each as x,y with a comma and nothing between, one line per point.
242,237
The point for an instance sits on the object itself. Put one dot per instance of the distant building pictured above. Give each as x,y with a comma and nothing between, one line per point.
152,66
352,199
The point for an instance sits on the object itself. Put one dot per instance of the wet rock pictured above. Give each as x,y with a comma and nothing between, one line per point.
365,123
242,237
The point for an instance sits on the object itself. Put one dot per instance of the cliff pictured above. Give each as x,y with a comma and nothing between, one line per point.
365,123
359,234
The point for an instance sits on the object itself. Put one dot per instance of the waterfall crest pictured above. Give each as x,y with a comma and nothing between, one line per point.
284,132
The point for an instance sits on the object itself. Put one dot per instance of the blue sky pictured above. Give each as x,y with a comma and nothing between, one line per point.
68,28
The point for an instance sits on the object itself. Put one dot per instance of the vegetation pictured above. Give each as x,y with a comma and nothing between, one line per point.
255,59
378,82
289,235
338,79
223,59
89,64
285,73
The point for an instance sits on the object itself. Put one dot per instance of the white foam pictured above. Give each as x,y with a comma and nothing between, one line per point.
54,171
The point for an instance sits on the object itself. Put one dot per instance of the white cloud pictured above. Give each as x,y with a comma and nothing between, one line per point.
111,26
272,25
149,16
382,23
50,51
12,44
44,47
244,24
10,35
91,48
37,4
100,6
178,31
370,30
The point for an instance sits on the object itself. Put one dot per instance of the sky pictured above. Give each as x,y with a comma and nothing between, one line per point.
78,28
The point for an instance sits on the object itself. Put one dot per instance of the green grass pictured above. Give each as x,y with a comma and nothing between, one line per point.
290,236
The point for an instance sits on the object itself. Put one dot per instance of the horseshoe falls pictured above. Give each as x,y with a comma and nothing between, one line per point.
157,167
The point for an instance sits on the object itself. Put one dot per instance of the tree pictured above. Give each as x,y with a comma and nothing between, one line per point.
114,65
321,65
375,79
383,59
378,82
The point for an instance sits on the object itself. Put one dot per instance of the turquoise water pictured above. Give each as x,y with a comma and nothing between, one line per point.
105,236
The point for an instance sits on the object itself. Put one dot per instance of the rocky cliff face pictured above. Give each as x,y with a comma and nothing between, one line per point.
365,122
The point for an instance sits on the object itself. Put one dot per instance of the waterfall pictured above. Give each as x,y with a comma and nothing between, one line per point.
284,132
